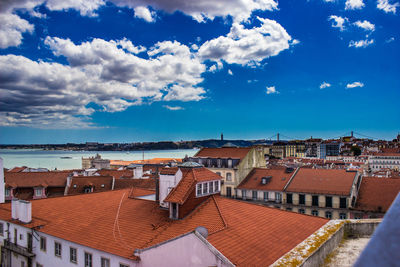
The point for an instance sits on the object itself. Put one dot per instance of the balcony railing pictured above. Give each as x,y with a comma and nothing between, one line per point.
18,249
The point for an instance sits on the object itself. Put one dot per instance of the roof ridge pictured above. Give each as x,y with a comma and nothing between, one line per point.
220,214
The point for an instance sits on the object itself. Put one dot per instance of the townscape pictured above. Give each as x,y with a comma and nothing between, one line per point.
137,213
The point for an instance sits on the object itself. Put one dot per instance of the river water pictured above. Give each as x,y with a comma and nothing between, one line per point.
52,159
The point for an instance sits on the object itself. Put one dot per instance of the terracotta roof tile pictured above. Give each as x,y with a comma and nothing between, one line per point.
32,179
190,176
247,234
322,181
377,194
99,184
169,170
149,183
116,173
223,152
277,182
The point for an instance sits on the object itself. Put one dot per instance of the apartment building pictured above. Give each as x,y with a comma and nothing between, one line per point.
328,148
384,160
231,163
329,193
120,229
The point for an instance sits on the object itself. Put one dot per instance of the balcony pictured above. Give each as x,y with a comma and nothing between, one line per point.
18,249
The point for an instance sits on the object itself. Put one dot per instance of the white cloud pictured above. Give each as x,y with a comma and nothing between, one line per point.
213,68
361,43
247,46
230,72
202,10
354,84
144,13
391,39
173,107
387,7
324,85
12,27
127,45
354,4
271,90
329,1
338,22
366,25
40,94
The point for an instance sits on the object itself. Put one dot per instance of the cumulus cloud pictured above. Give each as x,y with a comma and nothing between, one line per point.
12,27
338,22
230,72
366,25
173,107
202,10
354,4
99,72
387,7
144,13
247,46
391,39
271,90
361,43
324,85
354,84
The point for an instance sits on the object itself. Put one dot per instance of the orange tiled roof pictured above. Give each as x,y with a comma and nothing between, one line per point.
278,181
140,192
99,184
223,152
377,194
322,181
17,169
190,176
116,174
32,179
149,183
146,161
247,234
169,171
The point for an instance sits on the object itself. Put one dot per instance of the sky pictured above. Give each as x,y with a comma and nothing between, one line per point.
133,71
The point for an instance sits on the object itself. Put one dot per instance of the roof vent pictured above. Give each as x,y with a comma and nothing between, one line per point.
266,179
102,185
289,170
202,231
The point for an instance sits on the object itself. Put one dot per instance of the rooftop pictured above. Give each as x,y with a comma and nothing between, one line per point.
322,181
243,232
223,152
32,179
279,178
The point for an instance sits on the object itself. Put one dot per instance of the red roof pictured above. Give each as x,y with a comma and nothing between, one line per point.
17,169
223,152
169,170
149,183
32,179
322,181
377,194
246,233
277,182
190,176
116,174
99,184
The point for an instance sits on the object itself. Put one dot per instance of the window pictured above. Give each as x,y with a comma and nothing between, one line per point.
123,265
216,183
302,199
302,211
278,196
205,188
105,262
211,187
15,235
38,192
289,198
254,195
1,229
22,264
289,209
243,194
265,196
43,243
315,201
88,259
342,216
314,212
57,249
343,202
229,191
328,214
72,255
229,163
38,265
218,173
198,189
7,192
229,176
328,202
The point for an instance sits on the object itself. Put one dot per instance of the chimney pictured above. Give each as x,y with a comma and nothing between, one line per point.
21,210
2,183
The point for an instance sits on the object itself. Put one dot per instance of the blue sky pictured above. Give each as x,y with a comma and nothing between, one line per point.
127,71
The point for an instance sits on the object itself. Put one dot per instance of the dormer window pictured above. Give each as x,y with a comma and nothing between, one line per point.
38,192
229,163
7,192
199,190
207,188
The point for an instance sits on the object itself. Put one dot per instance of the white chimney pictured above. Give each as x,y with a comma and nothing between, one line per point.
138,172
2,183
14,209
25,211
